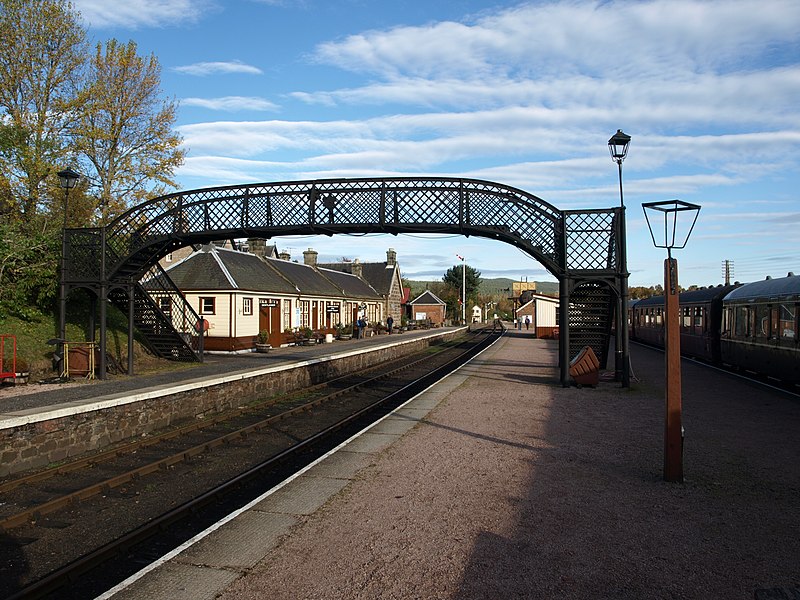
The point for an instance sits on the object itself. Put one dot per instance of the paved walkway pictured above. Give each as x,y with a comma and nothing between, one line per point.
498,483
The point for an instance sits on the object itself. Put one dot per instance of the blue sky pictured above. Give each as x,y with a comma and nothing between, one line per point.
526,94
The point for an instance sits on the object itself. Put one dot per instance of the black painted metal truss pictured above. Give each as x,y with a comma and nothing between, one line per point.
563,242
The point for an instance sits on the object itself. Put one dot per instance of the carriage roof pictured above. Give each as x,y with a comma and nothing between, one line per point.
768,289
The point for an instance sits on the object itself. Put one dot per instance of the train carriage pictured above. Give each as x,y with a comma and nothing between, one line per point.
700,321
761,328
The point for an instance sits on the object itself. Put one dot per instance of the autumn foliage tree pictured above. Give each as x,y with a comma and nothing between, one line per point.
102,114
125,129
41,67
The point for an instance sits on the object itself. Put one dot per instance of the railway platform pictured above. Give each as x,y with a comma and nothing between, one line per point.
38,396
499,483
45,424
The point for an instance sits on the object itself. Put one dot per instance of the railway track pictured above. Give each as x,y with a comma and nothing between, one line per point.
141,499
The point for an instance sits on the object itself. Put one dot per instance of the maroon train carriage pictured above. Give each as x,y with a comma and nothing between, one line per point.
700,321
761,328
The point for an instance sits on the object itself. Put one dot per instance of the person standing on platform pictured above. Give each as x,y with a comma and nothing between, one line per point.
527,322
389,323
360,324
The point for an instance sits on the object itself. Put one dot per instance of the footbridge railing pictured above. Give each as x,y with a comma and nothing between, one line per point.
580,248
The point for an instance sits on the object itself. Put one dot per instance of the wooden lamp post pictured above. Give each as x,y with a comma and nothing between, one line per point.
674,234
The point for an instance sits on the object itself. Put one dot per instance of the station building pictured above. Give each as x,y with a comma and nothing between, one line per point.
242,293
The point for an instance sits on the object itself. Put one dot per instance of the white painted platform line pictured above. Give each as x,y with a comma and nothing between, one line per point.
227,519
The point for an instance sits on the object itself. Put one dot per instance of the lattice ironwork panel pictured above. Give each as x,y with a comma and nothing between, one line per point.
591,240
258,212
590,312
356,207
289,209
83,255
426,206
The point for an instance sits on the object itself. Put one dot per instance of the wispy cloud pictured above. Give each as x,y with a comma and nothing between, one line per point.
545,40
203,69
232,103
134,14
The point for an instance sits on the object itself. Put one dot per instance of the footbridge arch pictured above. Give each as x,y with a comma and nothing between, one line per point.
581,248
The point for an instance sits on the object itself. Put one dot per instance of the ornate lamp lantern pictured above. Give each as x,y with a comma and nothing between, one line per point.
67,179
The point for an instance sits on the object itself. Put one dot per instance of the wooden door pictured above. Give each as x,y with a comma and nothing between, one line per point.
269,319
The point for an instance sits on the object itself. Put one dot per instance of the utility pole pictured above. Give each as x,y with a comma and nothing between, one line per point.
727,270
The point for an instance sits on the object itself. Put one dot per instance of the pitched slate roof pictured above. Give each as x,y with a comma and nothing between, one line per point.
378,274
216,268
307,280
426,297
352,286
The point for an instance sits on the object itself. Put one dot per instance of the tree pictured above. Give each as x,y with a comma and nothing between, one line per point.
41,66
455,279
28,277
125,129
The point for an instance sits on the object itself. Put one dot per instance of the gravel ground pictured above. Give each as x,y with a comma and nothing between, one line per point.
517,488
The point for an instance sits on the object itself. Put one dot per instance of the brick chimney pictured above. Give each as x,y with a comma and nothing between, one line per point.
391,257
285,255
355,268
310,257
257,246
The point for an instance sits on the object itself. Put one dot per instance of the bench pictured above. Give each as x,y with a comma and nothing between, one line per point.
585,368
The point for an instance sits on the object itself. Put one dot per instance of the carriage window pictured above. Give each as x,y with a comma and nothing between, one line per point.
786,321
686,318
742,321
762,322
727,318
698,317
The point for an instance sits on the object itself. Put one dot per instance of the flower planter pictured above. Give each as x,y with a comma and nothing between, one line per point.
262,348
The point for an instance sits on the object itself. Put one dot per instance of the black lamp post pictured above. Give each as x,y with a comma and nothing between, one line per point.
67,179
672,235
618,147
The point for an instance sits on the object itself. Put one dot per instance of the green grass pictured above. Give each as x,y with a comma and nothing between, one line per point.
32,335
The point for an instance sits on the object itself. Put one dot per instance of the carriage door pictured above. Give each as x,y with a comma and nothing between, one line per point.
269,319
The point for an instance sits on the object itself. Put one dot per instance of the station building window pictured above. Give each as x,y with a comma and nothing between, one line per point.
208,305
247,306
287,314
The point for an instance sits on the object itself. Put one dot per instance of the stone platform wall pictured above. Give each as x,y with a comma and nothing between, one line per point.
36,445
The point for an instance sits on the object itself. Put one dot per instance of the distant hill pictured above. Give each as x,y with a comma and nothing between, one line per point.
491,287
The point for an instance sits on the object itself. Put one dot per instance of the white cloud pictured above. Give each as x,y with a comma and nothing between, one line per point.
202,69
661,38
133,14
231,103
